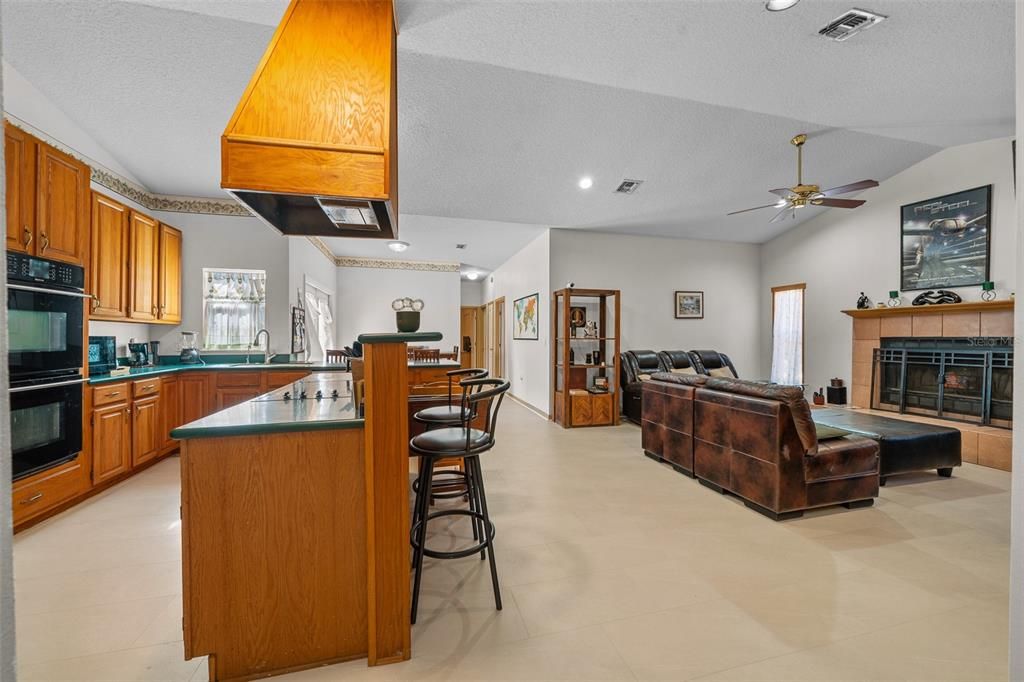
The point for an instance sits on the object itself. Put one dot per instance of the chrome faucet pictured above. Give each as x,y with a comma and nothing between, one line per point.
267,355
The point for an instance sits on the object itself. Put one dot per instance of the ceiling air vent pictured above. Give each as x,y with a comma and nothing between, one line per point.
850,24
628,186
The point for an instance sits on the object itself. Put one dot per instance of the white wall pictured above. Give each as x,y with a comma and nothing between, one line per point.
365,296
649,270
527,363
1016,636
307,264
841,253
472,292
228,242
6,559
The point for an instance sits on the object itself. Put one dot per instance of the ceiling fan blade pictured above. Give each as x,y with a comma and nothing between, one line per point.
783,192
756,208
852,187
782,214
838,203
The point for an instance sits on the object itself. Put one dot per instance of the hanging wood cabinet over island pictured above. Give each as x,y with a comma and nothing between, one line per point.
295,523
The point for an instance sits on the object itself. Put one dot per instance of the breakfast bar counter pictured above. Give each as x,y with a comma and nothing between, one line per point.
295,523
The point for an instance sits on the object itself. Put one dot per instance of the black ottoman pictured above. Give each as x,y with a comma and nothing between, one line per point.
904,446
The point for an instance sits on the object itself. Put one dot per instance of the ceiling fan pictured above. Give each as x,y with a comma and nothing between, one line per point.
803,195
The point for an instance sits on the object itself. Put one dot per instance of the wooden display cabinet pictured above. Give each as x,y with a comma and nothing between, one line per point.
580,363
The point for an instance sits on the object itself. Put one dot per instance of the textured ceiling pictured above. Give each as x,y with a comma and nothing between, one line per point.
504,105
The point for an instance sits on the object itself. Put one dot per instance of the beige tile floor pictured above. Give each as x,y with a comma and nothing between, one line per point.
612,567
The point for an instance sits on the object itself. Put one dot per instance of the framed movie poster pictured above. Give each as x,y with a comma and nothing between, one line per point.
945,242
524,318
689,305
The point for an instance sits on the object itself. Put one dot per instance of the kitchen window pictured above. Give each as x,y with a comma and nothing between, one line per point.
788,334
234,307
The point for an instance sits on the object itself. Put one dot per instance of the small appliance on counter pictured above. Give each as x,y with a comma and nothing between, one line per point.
138,354
102,354
154,355
189,352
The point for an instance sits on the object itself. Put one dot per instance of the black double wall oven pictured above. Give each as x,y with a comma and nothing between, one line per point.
45,318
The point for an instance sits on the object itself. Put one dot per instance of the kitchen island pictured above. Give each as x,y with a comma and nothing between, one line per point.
295,523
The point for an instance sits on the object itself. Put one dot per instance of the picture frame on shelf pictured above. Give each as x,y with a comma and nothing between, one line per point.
945,242
525,318
689,305
577,316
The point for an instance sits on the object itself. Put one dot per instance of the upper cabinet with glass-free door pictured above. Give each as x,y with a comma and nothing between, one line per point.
48,199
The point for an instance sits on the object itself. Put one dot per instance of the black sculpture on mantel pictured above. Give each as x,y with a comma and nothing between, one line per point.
863,303
936,297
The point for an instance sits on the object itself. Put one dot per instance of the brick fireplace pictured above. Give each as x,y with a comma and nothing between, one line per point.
949,364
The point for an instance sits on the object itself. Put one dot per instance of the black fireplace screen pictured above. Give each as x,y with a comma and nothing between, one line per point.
962,379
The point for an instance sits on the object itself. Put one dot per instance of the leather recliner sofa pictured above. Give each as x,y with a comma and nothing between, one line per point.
678,362
637,367
713,363
757,441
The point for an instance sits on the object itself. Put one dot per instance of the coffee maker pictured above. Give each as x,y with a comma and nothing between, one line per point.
138,353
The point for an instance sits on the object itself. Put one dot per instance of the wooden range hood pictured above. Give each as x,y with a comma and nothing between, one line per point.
312,145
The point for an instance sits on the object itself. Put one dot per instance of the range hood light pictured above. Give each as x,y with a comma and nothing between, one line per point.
779,5
398,247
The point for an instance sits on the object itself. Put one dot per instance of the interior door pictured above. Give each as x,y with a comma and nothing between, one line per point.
467,334
499,337
489,337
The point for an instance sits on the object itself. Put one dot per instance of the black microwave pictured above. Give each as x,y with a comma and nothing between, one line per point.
102,354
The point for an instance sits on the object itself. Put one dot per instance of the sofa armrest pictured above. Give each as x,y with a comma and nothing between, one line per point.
839,458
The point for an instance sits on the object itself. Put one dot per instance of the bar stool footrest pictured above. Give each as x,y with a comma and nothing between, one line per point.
459,553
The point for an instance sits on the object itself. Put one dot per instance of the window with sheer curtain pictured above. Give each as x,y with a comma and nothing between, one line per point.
788,334
234,308
319,322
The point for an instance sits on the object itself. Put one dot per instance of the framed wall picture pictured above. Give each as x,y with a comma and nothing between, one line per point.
525,325
689,305
945,241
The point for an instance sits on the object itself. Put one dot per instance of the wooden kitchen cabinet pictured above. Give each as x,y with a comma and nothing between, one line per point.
34,495
194,395
111,442
147,438
170,411
62,206
20,165
169,286
108,276
143,284
47,199
226,397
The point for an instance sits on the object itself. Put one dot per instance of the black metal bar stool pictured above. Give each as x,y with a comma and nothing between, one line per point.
466,443
452,482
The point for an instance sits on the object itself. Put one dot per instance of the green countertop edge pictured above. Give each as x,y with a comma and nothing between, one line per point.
185,433
171,369
398,337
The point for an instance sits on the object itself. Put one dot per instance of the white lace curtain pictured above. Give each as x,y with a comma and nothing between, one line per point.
234,308
788,337
320,323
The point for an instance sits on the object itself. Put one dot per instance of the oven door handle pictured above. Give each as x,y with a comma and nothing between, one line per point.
44,290
38,387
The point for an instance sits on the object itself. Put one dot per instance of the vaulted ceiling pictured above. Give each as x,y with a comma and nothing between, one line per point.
504,105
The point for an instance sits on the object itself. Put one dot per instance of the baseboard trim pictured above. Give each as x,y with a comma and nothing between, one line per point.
532,408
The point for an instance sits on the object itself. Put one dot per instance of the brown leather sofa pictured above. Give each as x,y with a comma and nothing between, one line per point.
713,363
637,367
757,441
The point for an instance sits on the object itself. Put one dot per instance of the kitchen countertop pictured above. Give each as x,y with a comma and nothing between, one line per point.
138,372
273,413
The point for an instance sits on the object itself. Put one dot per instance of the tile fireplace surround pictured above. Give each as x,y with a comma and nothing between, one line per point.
985,445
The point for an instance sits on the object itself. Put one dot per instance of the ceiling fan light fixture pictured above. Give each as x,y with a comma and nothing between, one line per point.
779,5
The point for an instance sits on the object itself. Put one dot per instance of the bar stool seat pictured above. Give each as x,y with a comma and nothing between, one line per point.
449,440
442,414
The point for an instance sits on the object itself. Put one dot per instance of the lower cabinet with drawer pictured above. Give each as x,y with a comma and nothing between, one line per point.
37,494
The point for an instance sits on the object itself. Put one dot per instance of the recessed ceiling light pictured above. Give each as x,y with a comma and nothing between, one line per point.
586,182
472,275
779,5
398,247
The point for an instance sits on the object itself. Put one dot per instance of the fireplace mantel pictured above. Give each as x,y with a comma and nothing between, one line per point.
938,309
